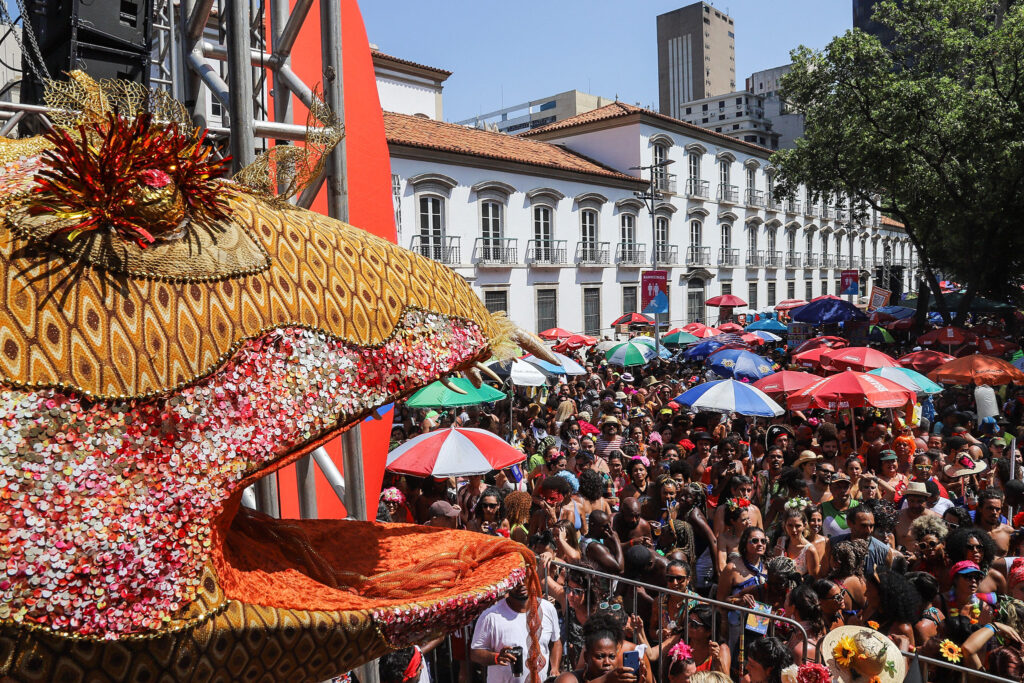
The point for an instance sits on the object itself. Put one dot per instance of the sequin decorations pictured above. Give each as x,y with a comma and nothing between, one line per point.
106,508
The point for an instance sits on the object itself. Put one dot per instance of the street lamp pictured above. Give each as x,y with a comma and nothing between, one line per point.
649,198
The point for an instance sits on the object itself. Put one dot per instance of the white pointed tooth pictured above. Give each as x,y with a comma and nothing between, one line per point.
487,371
474,377
534,346
451,387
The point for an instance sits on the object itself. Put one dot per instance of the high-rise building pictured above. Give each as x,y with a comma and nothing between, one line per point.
786,123
696,56
862,13
536,113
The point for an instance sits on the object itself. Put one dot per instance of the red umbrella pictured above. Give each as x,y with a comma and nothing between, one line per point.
946,336
850,389
924,361
555,333
574,342
453,452
996,347
812,358
859,358
900,325
751,338
789,304
725,300
977,369
633,319
730,328
827,296
816,342
782,384
700,330
988,330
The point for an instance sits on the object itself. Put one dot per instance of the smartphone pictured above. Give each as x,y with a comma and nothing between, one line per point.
631,660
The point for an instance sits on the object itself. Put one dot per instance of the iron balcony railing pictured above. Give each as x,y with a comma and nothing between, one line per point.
442,249
828,261
826,212
495,251
774,204
728,258
812,210
592,253
793,206
631,254
697,188
667,254
793,259
811,260
665,182
546,253
698,256
729,194
842,261
754,197
755,259
773,259
841,214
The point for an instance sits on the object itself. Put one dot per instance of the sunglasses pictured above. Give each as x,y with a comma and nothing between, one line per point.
759,541
575,591
613,606
975,546
489,506
695,623
932,545
676,579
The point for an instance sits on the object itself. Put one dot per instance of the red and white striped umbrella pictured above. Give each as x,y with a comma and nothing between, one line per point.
453,452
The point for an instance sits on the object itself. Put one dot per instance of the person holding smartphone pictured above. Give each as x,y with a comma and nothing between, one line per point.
501,639
602,647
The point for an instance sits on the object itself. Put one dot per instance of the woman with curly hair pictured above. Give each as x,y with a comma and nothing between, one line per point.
738,514
489,514
971,543
929,554
517,514
638,481
892,606
591,492
662,510
738,486
932,619
848,573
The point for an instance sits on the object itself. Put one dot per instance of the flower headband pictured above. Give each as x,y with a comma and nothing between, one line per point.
735,503
392,495
797,503
681,652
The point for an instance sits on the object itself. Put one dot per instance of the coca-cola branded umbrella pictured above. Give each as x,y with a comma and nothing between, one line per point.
453,452
781,384
817,342
812,358
859,358
574,342
700,330
732,328
924,361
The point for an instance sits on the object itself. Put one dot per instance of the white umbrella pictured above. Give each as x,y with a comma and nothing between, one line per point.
603,346
570,366
526,374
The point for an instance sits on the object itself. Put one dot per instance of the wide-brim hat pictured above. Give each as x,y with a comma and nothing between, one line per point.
807,456
916,488
650,381
894,665
963,466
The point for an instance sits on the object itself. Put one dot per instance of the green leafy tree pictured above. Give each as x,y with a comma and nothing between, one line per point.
929,131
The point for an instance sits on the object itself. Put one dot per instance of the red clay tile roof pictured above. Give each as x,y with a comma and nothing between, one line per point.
885,220
620,109
417,131
378,53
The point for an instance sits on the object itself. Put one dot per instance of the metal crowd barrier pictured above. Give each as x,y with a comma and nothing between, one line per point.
926,663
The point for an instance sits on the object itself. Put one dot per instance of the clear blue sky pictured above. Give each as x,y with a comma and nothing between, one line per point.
502,54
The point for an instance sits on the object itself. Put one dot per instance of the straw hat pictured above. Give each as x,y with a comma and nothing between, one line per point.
963,466
862,653
807,456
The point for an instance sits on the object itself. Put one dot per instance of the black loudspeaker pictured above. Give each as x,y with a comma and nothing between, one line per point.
895,283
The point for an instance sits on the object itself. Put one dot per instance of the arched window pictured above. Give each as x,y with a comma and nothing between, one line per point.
839,245
693,165
874,250
588,228
490,229
824,246
863,252
791,241
627,223
810,243
431,242
661,232
659,154
724,172
726,236
542,232
695,234
771,242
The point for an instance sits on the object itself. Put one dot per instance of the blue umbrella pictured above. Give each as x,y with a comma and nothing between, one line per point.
767,336
740,364
703,349
827,311
898,312
1019,363
729,396
767,325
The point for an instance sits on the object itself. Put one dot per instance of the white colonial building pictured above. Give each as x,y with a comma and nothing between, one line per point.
547,226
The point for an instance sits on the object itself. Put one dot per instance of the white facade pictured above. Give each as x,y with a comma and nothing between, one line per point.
409,88
571,247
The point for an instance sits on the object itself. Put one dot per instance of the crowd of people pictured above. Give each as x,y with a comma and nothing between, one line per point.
847,524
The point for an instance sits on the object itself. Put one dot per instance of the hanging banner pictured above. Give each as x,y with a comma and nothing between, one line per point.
654,291
850,282
879,297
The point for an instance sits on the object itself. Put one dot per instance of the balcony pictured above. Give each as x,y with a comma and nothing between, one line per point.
667,254
697,188
446,250
811,210
546,253
728,258
665,182
631,254
495,252
826,212
728,194
793,206
842,261
828,261
773,259
774,204
811,261
592,253
841,214
793,259
698,256
754,197
755,259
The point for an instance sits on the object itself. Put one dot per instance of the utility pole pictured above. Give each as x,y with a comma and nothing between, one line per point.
650,199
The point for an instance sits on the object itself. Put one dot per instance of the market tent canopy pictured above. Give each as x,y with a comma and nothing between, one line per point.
437,395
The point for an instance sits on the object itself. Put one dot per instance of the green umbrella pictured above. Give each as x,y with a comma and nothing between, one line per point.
880,334
908,378
631,353
437,395
679,339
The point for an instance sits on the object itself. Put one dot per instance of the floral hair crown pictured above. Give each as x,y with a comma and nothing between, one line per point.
681,652
392,495
736,503
797,503
811,672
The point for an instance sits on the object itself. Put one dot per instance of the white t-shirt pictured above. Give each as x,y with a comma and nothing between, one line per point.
501,626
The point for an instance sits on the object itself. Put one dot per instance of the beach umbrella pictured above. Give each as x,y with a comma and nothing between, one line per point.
680,338
725,300
977,369
812,358
988,330
850,389
729,396
700,330
946,336
555,333
739,364
790,304
606,344
893,312
827,311
568,365
908,378
765,335
703,349
995,347
520,372
753,339
633,319
574,342
901,325
781,384
880,335
631,353
767,325
730,327
815,342
859,358
1018,363
665,353
437,395
453,452
924,361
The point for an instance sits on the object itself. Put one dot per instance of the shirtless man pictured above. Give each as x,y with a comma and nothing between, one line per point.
630,526
987,518
916,495
601,544
700,460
